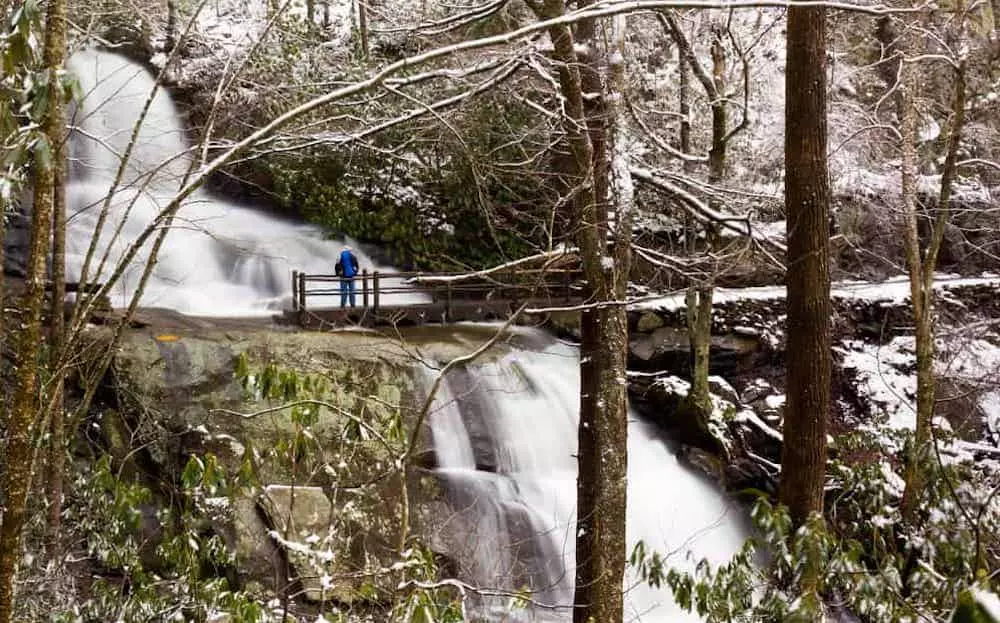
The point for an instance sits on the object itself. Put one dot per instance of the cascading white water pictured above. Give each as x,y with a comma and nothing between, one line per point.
505,438
220,257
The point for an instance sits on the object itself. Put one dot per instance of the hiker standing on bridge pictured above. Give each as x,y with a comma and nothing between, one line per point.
347,269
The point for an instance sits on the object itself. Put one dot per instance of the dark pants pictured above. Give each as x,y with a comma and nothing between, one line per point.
346,289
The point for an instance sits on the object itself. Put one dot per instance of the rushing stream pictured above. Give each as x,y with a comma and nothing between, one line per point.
504,432
505,438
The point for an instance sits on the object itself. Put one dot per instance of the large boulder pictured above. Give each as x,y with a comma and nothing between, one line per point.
196,390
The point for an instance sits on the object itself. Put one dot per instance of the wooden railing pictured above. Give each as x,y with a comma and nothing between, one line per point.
557,286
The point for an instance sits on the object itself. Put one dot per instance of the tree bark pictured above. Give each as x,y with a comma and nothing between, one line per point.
363,27
170,36
602,460
807,199
684,107
698,303
698,299
57,442
925,390
3,264
587,474
25,404
922,271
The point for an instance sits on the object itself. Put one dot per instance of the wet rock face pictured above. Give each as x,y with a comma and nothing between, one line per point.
177,393
668,348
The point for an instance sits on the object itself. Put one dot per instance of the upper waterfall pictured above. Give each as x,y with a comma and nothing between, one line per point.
219,257
505,435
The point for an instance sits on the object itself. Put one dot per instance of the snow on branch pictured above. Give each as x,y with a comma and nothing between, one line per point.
549,257
740,225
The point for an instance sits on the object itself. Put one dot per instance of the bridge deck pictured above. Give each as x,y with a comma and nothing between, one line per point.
413,314
449,298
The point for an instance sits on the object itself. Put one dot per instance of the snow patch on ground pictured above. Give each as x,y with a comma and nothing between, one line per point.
989,403
891,291
885,377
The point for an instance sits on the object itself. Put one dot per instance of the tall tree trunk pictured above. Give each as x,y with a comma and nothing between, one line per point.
612,429
717,155
587,472
807,200
170,37
699,297
698,303
57,442
25,403
3,266
363,27
921,271
684,107
603,547
595,592
908,187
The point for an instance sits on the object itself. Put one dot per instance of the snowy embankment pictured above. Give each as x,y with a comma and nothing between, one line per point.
894,291
875,378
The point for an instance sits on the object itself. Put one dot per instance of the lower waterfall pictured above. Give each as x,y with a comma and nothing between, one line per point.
505,437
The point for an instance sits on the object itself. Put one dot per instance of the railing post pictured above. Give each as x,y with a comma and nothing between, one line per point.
364,288
566,284
302,291
375,291
447,302
295,290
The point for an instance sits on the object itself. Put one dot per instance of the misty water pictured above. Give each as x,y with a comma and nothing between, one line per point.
220,257
505,437
504,432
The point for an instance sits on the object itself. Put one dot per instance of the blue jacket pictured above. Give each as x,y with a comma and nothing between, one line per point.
348,263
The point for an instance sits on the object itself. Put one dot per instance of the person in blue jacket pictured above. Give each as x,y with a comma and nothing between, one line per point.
347,269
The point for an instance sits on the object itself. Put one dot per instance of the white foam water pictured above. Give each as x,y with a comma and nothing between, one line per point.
220,257
505,435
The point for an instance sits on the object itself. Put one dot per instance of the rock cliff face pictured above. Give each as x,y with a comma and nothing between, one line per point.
324,473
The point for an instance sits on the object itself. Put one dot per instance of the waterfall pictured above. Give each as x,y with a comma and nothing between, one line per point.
219,257
505,435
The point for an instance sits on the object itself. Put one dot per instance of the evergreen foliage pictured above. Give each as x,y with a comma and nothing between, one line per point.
862,555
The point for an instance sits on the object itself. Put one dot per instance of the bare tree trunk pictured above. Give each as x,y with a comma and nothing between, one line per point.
925,391
602,549
684,106
3,267
594,593
698,303
807,200
699,298
717,155
57,442
170,37
25,403
922,271
363,27
612,429
587,474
